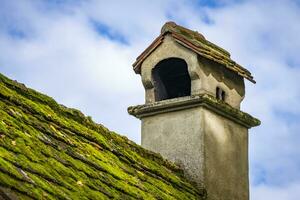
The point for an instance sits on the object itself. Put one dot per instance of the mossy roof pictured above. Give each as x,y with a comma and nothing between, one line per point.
48,151
196,42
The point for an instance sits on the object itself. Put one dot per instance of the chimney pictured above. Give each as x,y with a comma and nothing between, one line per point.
191,115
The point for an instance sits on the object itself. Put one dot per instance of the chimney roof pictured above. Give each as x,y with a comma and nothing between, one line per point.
196,42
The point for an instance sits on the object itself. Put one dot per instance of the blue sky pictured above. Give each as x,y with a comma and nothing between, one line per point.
80,53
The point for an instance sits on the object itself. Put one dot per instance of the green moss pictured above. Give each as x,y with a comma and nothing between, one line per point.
48,151
245,118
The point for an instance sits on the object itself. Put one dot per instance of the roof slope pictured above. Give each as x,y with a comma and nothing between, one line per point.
197,43
48,151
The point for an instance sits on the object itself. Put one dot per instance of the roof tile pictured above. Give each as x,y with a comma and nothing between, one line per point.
48,151
196,42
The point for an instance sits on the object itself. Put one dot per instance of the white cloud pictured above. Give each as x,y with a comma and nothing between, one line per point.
263,192
56,50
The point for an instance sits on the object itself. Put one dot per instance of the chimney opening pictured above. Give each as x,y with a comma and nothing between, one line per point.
217,93
171,79
220,94
223,95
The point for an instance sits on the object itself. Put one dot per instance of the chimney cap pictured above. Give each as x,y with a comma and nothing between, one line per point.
196,42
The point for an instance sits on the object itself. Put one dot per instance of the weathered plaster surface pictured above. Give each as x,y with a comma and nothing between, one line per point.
226,158
168,49
177,136
205,75
214,75
211,149
206,137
